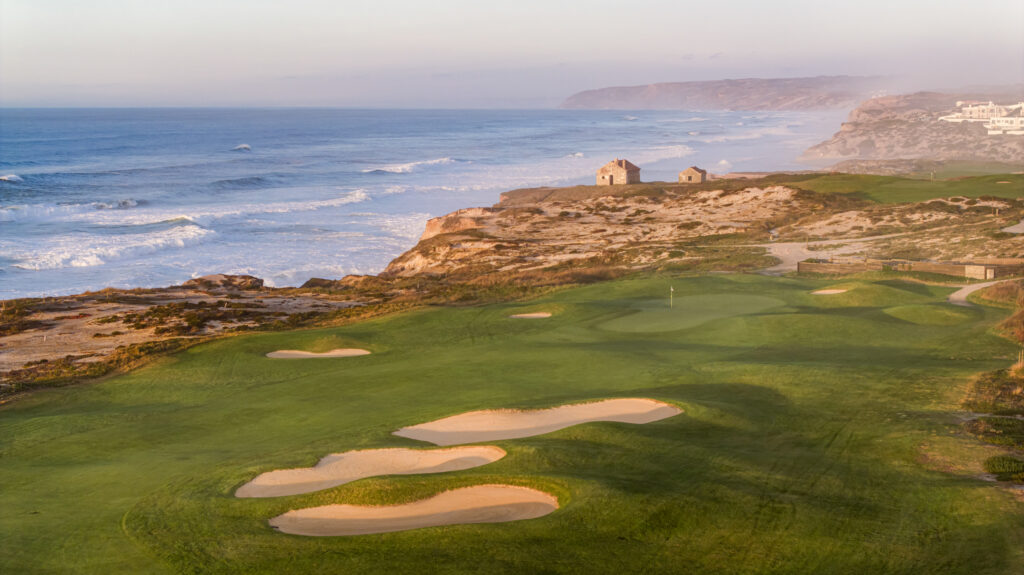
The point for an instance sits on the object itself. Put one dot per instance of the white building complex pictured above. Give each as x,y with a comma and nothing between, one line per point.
997,118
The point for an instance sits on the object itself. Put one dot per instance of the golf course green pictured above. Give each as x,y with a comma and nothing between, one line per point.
816,437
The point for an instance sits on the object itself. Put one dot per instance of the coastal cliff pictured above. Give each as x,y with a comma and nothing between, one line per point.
817,93
723,224
908,127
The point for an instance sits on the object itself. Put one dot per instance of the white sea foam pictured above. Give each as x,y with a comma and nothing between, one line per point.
76,251
406,168
11,178
242,148
753,134
95,212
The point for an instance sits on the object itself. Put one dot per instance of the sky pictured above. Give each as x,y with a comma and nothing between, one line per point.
478,53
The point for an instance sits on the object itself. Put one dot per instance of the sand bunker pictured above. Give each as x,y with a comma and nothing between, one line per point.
493,425
478,504
828,291
340,468
535,315
297,354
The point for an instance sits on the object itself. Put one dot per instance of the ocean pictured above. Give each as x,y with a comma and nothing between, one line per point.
91,198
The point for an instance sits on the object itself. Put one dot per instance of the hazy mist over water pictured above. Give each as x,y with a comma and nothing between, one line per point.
459,54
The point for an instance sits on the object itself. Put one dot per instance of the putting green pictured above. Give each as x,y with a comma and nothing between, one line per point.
655,315
934,314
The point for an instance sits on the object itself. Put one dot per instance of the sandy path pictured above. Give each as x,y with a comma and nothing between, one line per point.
1015,228
535,315
493,425
791,253
828,291
959,297
478,504
298,354
340,468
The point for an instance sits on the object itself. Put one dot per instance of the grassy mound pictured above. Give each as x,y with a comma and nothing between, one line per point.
933,314
999,392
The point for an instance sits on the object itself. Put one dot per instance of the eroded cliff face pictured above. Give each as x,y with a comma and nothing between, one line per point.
908,127
461,220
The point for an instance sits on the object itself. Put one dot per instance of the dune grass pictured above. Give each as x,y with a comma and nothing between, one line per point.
808,443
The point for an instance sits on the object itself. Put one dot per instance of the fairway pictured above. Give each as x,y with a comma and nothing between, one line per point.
816,436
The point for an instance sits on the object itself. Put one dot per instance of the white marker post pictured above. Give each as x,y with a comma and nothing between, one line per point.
671,292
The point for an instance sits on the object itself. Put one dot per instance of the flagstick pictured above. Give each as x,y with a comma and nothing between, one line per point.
671,292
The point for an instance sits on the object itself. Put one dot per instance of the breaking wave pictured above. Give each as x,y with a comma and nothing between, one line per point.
118,205
11,178
406,168
254,182
77,252
242,148
117,214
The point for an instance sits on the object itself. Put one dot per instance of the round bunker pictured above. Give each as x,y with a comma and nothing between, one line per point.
477,504
340,468
534,315
829,291
497,424
298,354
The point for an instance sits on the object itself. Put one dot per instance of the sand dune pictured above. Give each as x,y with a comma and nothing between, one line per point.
298,354
828,291
340,468
492,425
535,315
478,504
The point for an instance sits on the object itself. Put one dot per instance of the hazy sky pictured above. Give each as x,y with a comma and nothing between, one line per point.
477,53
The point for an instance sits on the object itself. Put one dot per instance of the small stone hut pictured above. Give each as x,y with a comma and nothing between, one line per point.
693,175
618,172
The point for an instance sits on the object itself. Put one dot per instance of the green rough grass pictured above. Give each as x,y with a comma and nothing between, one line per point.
1005,431
800,449
895,189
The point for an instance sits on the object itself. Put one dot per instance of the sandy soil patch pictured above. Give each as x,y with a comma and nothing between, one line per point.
340,468
493,425
478,504
535,315
828,291
1015,228
297,354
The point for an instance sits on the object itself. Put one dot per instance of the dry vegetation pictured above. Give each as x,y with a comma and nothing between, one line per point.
998,396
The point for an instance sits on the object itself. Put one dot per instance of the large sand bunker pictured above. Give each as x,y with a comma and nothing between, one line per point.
828,291
493,425
534,315
340,468
478,504
297,354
